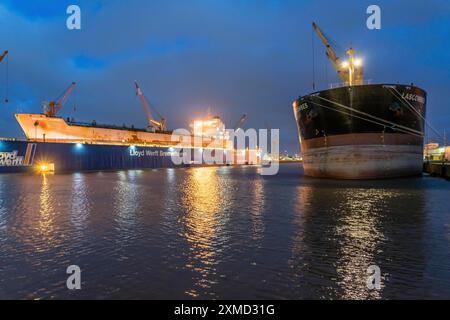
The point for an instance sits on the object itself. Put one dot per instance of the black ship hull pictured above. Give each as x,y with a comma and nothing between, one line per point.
362,132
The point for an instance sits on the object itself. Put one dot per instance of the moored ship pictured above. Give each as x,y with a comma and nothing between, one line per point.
358,130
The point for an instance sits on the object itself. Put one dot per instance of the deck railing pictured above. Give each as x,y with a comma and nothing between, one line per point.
346,84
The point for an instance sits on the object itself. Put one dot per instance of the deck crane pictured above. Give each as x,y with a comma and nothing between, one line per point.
240,123
52,108
351,71
3,55
1,58
152,123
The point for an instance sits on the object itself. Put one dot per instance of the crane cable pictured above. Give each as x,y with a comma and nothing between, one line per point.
156,111
371,116
334,44
152,107
7,80
313,59
408,104
393,127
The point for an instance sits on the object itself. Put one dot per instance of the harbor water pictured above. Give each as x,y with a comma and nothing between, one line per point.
222,233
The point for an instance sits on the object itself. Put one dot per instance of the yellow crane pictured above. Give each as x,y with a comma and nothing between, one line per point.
153,124
3,55
240,123
7,78
51,108
351,71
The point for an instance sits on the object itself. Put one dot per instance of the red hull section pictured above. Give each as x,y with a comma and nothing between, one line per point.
363,161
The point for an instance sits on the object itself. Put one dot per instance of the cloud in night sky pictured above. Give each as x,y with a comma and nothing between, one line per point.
235,57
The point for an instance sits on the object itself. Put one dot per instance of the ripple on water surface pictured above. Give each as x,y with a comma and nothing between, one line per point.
222,232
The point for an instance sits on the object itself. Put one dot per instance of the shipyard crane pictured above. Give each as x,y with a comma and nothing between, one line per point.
153,124
3,55
351,71
240,123
53,107
7,77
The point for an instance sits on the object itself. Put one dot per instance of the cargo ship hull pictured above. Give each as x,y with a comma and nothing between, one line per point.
362,132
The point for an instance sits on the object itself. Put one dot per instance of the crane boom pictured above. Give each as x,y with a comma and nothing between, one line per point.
331,55
160,125
53,107
350,72
7,78
3,55
241,121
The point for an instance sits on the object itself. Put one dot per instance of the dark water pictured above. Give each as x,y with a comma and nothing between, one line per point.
222,233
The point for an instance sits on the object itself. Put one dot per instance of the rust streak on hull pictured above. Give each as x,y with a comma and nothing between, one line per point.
363,161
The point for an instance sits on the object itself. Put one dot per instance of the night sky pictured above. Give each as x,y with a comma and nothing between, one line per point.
233,57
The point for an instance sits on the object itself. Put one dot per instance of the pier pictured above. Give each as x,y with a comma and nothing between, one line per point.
437,168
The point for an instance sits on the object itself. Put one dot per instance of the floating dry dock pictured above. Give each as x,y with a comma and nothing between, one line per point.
29,156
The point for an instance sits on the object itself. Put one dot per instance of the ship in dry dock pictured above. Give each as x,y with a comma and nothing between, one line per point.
359,130
63,145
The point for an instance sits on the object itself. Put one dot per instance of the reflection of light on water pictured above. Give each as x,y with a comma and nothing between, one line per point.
38,218
2,206
302,207
202,200
257,207
170,175
360,236
46,212
333,246
80,207
126,199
